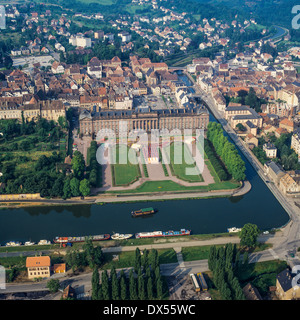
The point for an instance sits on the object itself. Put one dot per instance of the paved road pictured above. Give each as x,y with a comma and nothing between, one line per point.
290,239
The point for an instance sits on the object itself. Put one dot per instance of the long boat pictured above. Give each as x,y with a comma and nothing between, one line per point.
81,239
157,234
142,212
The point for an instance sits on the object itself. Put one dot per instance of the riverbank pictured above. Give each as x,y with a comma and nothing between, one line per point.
135,197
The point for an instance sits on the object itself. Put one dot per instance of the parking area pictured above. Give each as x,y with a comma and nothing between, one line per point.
27,62
157,102
182,288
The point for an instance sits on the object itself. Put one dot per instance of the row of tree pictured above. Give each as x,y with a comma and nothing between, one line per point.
224,263
144,280
226,151
215,161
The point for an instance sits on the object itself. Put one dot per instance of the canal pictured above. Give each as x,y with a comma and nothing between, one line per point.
202,216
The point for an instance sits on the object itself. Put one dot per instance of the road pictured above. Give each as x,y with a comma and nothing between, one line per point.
290,240
82,282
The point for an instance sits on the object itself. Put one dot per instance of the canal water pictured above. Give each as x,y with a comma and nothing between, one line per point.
202,216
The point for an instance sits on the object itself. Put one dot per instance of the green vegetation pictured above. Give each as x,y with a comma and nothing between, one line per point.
216,163
261,274
144,281
94,168
226,151
124,174
248,235
224,263
53,285
181,161
286,156
125,259
171,186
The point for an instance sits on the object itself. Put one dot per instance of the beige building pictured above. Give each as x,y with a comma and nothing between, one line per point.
242,114
288,185
295,143
162,119
284,288
38,267
48,109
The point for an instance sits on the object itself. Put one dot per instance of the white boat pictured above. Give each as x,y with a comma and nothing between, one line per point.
153,234
121,236
234,229
29,243
13,244
43,242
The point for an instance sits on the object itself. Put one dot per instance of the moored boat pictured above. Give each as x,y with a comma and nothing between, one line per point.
156,234
182,232
81,239
142,212
121,236
13,244
44,242
234,229
29,243
153,234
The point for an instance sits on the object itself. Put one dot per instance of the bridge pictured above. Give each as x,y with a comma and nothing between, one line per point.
177,68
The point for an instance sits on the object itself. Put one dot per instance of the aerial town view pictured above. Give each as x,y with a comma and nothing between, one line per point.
149,150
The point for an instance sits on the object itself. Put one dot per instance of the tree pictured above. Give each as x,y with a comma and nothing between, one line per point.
149,288
78,165
132,286
249,235
67,192
95,284
105,285
141,288
74,185
114,284
159,289
62,122
84,187
137,260
123,286
53,285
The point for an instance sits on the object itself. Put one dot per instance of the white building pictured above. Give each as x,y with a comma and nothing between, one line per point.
295,143
125,36
270,150
80,41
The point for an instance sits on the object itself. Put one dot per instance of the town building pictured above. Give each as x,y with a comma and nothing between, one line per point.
274,171
289,185
270,150
38,267
284,288
92,123
295,143
251,293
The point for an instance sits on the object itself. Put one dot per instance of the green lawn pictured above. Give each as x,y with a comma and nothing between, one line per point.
124,174
169,186
261,274
179,163
126,259
196,253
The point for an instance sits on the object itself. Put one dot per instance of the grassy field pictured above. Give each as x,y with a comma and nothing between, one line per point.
124,174
261,274
126,259
170,186
179,163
